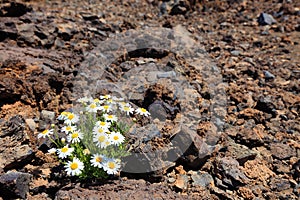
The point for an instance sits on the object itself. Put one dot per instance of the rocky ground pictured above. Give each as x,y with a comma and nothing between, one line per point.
241,56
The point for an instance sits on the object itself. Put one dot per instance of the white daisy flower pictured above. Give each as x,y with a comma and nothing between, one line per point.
111,118
63,116
65,151
74,167
105,108
128,109
99,130
92,107
85,100
97,101
112,166
142,111
45,133
103,124
67,129
71,118
98,160
75,136
117,99
105,97
52,150
123,103
116,138
110,101
101,140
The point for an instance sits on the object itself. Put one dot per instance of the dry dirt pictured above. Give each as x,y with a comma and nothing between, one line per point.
46,45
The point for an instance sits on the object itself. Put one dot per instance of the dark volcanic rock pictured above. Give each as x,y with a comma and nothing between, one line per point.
202,179
230,174
133,189
265,19
13,127
240,152
14,185
282,151
14,151
180,8
268,75
14,9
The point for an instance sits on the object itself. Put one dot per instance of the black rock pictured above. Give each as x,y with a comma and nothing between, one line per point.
296,170
266,19
268,75
179,9
265,104
14,184
14,127
14,10
88,16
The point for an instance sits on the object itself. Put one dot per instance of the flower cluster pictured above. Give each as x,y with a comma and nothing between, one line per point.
92,142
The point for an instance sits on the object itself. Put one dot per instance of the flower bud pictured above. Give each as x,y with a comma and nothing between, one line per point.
86,152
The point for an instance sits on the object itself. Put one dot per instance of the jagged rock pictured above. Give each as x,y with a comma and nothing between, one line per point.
266,19
14,9
279,184
180,8
13,127
189,148
133,189
12,152
268,75
47,118
181,181
14,185
282,151
239,152
31,124
8,30
202,179
66,30
229,171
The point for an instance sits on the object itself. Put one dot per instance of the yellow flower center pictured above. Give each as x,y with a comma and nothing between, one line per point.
106,107
126,108
102,123
71,116
98,159
111,165
93,106
101,138
68,128
116,137
143,110
74,166
96,100
45,132
75,135
110,116
100,130
64,149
